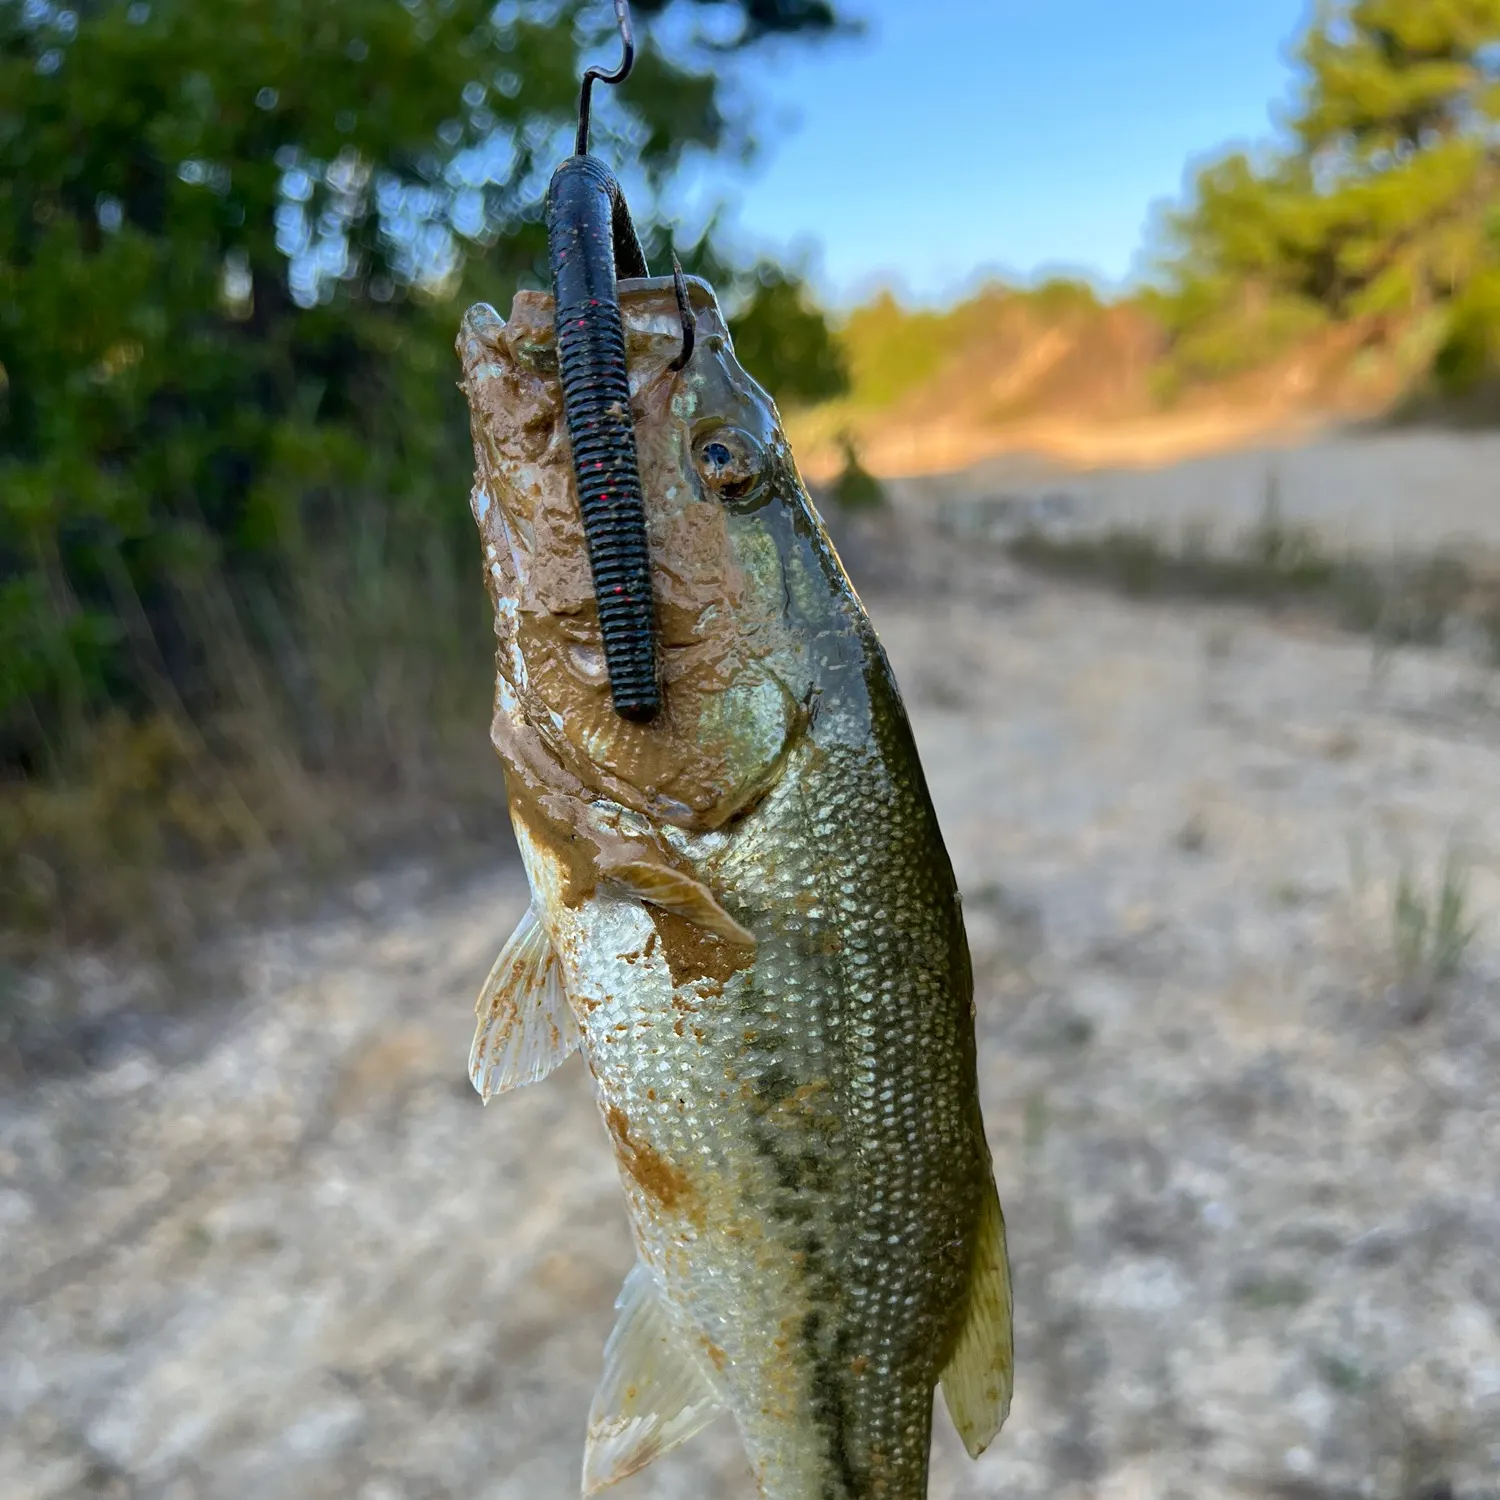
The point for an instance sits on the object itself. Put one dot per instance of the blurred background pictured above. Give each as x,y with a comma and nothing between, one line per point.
1145,363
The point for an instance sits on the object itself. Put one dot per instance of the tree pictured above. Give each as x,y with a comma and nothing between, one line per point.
1381,207
780,335
233,243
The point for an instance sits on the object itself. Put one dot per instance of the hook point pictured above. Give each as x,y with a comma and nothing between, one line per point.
685,313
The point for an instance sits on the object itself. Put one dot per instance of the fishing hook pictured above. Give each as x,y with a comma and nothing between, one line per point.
620,74
624,231
685,312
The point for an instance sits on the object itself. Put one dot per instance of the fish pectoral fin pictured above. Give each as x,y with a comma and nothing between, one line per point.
526,1026
979,1374
654,1395
675,892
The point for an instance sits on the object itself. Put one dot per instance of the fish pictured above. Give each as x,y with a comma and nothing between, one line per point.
744,916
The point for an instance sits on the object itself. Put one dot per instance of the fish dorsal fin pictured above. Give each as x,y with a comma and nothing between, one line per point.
526,1026
675,892
653,1396
978,1376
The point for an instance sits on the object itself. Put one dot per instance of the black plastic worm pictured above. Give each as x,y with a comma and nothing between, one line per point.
591,240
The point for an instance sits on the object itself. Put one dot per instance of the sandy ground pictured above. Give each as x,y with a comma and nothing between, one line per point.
1375,493
277,1251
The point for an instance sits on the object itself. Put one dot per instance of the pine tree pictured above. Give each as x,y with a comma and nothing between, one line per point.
1384,204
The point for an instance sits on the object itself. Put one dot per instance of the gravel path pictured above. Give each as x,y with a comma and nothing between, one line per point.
1253,1180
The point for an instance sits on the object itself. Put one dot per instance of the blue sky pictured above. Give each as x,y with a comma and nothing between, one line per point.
1010,136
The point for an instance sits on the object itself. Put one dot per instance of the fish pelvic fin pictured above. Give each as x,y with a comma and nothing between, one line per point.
653,1396
675,892
526,1026
979,1375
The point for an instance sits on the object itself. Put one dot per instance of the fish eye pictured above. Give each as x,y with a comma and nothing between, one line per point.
730,461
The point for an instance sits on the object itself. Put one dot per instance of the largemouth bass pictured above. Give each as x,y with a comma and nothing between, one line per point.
744,913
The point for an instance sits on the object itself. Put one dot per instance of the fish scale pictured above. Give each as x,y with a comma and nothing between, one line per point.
885,1279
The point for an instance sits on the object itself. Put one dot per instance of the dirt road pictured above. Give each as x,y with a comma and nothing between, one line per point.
1253,1180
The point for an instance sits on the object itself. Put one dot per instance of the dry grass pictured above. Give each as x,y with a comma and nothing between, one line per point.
1410,600
1432,930
340,720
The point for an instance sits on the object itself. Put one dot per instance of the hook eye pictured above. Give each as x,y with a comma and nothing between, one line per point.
729,461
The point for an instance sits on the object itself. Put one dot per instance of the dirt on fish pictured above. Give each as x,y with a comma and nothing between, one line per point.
654,1174
694,954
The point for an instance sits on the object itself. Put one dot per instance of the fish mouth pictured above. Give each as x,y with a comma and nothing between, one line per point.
715,615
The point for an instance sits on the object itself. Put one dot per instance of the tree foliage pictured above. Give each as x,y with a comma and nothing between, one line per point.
1382,205
782,336
234,242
